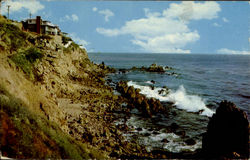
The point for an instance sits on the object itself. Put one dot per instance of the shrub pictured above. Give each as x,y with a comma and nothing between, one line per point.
65,39
25,60
32,54
12,36
37,137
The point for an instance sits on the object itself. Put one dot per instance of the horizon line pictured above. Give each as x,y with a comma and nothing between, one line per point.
165,53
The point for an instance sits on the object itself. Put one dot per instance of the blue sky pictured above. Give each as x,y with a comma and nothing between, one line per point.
146,26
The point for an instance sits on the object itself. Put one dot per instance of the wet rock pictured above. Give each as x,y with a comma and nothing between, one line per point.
164,91
168,68
152,68
150,129
164,141
174,126
152,81
190,142
102,65
146,134
139,101
146,109
152,87
155,132
181,133
155,105
122,87
131,92
155,68
139,129
123,71
227,133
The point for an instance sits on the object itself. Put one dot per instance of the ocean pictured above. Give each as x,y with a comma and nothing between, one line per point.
196,82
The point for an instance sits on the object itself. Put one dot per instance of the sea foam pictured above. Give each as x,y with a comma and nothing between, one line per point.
180,98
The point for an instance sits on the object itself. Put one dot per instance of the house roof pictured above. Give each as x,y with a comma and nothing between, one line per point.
44,22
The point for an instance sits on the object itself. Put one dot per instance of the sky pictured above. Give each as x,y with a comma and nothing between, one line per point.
145,26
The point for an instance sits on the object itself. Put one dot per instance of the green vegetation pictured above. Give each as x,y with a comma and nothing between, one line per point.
26,60
44,36
34,136
12,38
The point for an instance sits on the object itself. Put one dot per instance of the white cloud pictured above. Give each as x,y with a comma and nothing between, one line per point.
229,51
193,11
79,41
107,14
94,9
166,32
216,24
32,6
72,17
225,20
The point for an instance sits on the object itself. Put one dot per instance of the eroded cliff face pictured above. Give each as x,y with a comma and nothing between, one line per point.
51,97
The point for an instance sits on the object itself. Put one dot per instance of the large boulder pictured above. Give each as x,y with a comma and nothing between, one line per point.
227,133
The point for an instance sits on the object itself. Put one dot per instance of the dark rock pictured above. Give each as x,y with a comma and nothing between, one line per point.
146,109
164,91
151,68
131,92
164,141
103,66
168,68
155,132
139,101
174,113
122,87
147,134
150,129
155,68
227,133
155,105
134,68
174,126
139,129
122,71
152,81
181,133
190,142
152,87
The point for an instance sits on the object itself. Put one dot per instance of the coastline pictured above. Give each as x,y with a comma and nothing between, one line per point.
56,103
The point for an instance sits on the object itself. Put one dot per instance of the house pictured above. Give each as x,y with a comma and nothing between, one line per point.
41,27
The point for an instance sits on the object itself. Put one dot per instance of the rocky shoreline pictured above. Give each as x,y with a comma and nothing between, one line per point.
56,103
231,146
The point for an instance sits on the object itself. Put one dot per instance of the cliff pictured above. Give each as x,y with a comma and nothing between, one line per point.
53,99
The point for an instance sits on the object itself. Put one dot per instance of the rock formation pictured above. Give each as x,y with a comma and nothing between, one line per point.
227,133
148,106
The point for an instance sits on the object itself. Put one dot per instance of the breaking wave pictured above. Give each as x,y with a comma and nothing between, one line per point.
180,98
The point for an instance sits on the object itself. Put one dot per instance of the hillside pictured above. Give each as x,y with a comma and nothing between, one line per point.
54,101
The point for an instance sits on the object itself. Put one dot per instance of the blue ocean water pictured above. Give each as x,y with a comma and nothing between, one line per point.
196,81
213,77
